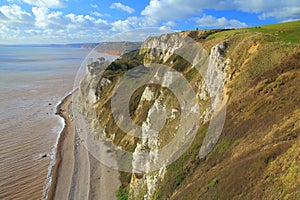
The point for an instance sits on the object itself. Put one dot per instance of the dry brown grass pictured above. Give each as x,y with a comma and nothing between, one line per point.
257,154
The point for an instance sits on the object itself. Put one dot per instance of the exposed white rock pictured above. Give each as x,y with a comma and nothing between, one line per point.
212,88
168,78
92,98
214,83
147,95
152,181
105,82
146,154
214,80
173,113
161,47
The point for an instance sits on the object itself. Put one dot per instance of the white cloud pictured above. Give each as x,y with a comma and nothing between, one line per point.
290,20
210,21
9,34
57,20
138,29
33,32
126,25
133,23
14,16
46,24
46,3
46,19
2,16
180,9
33,36
97,14
257,6
43,25
279,9
84,22
170,24
139,34
122,7
284,13
171,9
14,1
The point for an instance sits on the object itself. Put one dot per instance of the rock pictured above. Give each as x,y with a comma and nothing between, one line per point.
148,95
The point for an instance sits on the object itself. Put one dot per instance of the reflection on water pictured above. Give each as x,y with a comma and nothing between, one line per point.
32,81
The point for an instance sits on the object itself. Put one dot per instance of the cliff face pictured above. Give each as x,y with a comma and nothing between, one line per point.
244,142
210,92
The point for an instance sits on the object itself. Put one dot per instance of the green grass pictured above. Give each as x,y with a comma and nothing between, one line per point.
287,32
225,146
178,179
222,34
212,184
122,193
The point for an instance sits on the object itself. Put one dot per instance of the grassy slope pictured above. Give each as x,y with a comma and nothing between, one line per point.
288,32
257,156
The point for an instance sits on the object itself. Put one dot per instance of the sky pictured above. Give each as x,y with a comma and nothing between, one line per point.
76,21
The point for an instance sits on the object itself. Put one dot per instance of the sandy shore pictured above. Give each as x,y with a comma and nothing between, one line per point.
77,174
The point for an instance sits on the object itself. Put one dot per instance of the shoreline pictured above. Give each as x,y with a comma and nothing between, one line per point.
52,179
76,173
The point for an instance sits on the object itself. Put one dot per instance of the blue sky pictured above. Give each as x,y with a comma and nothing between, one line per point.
73,21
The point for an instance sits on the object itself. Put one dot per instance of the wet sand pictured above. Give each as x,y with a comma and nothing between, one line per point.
32,81
76,174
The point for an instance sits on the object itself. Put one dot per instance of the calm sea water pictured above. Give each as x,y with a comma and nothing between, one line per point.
32,81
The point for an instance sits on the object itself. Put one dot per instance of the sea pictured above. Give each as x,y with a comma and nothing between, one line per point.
33,80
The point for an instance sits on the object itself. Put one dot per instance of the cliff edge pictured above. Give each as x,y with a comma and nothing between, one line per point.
234,127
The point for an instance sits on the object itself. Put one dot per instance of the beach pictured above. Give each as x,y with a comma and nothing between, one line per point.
76,174
32,81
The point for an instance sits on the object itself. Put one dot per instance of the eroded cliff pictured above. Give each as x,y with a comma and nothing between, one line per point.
247,103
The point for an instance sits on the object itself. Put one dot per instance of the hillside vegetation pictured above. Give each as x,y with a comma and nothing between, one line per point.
257,156
258,153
